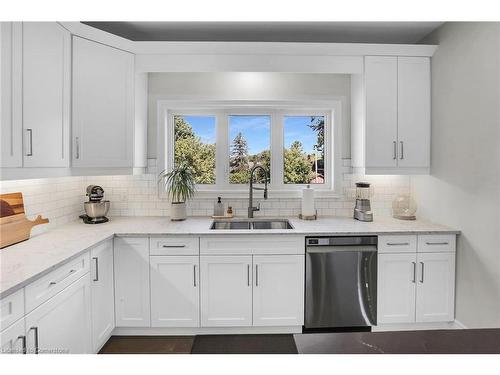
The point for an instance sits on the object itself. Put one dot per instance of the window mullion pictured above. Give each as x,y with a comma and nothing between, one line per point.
277,150
222,147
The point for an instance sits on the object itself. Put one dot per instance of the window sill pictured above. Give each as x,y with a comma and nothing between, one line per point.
272,194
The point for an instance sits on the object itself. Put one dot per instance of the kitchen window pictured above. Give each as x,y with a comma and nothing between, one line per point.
222,144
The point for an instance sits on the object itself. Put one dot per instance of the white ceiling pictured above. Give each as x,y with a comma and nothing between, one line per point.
326,32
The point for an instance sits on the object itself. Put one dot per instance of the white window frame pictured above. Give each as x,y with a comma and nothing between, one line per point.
331,109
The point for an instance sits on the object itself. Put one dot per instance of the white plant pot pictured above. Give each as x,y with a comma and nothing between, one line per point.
178,211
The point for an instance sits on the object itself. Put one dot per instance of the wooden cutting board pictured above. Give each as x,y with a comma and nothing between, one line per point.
14,226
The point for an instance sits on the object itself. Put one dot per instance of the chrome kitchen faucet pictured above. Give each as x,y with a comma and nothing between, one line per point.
251,208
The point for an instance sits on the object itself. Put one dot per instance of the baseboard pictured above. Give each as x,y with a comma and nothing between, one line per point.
177,331
414,326
459,324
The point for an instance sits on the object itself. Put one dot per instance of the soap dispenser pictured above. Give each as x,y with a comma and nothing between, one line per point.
219,207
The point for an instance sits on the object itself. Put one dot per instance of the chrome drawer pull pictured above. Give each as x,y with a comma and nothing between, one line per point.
422,272
36,338
30,152
173,246
414,272
437,243
96,269
256,275
397,243
194,275
58,281
248,274
402,156
23,338
395,150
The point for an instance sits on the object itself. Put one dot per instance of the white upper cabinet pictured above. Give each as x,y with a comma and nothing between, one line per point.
414,112
10,94
381,90
391,115
102,288
46,67
103,105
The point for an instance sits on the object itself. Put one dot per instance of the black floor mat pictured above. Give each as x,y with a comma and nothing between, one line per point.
244,344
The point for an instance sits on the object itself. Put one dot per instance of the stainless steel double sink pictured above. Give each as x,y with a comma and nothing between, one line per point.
250,224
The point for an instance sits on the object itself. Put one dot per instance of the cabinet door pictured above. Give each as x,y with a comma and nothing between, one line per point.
13,339
414,112
46,94
62,324
381,111
131,257
10,94
436,287
278,292
103,100
175,291
396,286
226,292
103,307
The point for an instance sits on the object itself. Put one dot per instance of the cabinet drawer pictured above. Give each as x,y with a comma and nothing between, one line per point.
253,244
52,283
429,243
397,244
11,309
174,245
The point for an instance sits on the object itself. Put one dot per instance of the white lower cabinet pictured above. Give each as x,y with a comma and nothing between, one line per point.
226,292
175,287
63,323
13,339
103,307
436,287
278,290
131,262
416,287
396,288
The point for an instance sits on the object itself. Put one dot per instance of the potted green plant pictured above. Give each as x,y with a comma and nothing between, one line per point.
180,186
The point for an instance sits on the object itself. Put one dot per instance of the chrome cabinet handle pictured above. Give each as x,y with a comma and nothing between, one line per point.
422,272
58,281
194,275
398,243
173,246
414,272
437,243
23,338
248,274
77,142
30,138
35,329
256,275
402,156
395,150
96,269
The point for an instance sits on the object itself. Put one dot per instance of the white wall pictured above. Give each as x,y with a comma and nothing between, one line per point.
246,86
463,190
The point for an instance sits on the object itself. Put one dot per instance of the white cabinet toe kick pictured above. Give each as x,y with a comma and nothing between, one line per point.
190,285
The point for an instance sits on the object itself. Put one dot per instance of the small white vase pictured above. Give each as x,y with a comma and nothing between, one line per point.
178,211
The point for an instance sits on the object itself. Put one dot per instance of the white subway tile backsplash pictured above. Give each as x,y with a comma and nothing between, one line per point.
61,199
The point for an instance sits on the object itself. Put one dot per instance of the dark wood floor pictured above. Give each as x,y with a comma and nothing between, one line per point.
471,341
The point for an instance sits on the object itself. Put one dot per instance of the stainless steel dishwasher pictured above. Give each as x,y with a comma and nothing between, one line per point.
341,282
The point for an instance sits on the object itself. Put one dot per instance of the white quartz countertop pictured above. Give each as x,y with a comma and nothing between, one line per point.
22,263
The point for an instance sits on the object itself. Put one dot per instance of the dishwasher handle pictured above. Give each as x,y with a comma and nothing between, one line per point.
335,249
